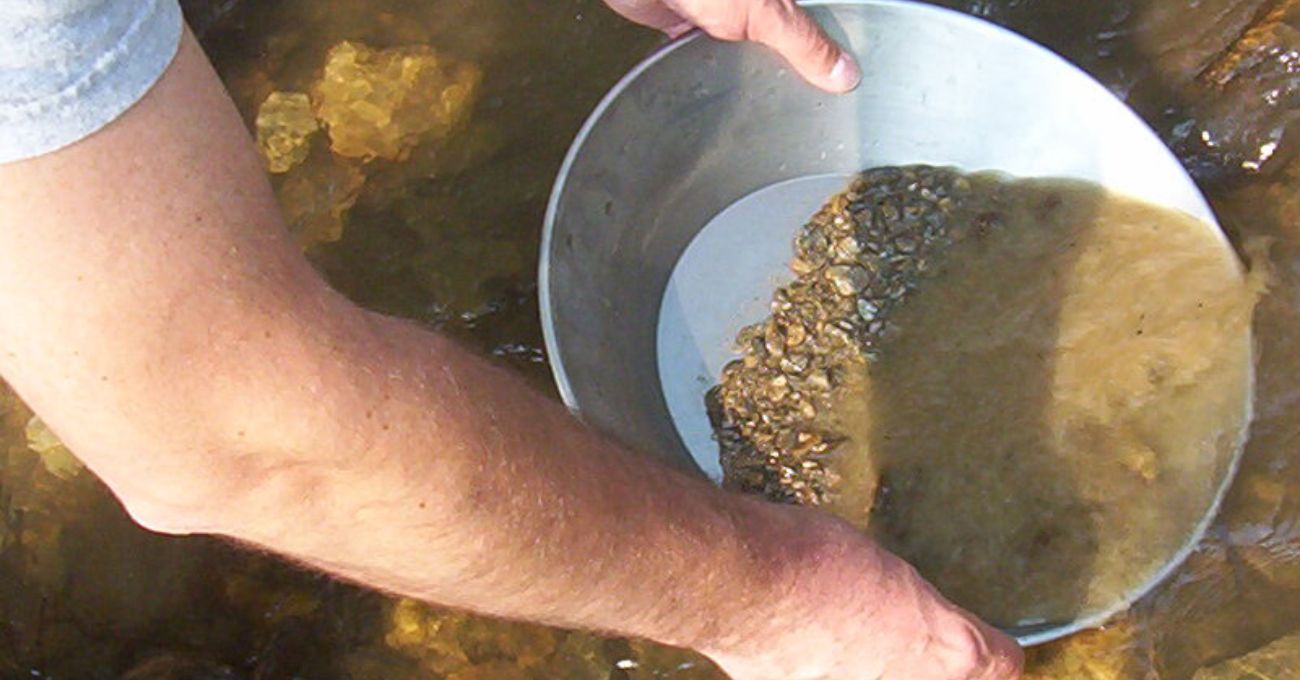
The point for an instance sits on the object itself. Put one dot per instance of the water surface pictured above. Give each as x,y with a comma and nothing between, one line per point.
449,237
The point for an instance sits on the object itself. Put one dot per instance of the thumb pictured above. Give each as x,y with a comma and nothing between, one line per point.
783,26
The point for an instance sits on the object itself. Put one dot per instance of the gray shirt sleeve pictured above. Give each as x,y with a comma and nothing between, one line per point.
70,67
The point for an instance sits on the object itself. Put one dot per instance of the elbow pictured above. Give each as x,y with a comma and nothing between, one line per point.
222,437
188,477
225,493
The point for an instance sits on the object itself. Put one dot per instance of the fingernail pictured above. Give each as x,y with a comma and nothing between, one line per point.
845,75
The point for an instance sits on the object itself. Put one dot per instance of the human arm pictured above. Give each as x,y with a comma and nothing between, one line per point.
780,24
160,318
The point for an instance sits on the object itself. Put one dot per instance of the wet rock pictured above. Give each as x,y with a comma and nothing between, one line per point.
1109,653
1244,107
285,126
382,103
316,197
449,642
581,656
428,635
1279,660
56,457
854,261
526,645
255,592
1216,78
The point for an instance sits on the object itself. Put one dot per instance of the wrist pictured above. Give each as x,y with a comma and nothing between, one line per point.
807,560
844,607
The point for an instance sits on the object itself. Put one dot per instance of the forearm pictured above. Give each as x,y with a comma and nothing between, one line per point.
452,481
159,317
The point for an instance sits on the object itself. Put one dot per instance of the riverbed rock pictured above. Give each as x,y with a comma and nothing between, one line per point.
382,103
315,198
1112,652
1243,109
285,126
1279,660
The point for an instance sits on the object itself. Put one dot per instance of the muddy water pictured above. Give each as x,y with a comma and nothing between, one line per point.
1049,414
449,238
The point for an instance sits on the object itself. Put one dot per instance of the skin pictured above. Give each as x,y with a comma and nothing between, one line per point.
779,24
160,318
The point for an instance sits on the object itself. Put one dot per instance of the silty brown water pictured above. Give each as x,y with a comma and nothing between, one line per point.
449,237
1030,389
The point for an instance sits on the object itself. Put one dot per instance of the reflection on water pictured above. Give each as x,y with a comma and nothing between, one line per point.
449,237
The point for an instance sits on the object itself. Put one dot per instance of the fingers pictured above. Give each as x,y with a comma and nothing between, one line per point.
960,645
652,13
783,26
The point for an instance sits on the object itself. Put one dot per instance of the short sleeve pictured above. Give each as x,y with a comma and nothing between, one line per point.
70,67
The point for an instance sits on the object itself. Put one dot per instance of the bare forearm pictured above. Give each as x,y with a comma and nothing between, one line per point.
162,321
456,483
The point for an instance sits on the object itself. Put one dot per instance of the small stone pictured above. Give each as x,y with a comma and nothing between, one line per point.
285,127
801,266
795,334
55,457
855,261
794,365
773,342
867,309
848,280
1276,661
581,656
779,388
847,249
316,198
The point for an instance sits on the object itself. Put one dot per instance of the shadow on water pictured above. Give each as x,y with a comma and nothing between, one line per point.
975,490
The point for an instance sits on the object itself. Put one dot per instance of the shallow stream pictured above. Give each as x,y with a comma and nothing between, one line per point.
443,226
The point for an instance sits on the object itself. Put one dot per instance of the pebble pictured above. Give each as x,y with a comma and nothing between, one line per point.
855,261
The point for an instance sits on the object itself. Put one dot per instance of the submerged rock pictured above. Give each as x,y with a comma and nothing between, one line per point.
285,126
1278,661
316,197
855,261
56,457
1243,109
449,642
382,103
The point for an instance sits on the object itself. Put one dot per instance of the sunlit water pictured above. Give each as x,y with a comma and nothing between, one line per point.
450,238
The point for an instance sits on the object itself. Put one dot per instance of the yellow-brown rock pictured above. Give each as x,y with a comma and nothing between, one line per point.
382,103
285,127
316,197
